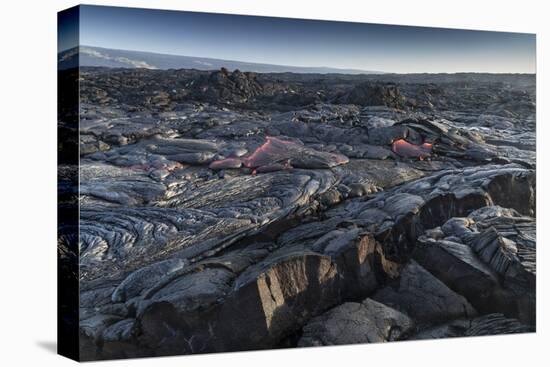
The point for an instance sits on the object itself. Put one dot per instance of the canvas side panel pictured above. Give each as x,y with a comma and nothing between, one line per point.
67,166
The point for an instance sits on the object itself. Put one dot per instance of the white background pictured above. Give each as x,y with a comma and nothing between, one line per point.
28,181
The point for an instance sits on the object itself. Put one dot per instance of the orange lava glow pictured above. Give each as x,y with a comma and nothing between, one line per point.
273,155
403,148
266,153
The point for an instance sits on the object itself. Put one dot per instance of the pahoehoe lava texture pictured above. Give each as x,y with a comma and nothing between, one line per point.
225,211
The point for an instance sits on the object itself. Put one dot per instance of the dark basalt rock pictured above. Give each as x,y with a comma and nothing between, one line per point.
457,266
231,87
423,297
374,94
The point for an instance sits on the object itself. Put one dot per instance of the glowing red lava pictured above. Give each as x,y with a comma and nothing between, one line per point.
272,151
405,149
276,154
227,163
273,155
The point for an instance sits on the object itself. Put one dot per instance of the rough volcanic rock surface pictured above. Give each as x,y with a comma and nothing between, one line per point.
225,211
353,323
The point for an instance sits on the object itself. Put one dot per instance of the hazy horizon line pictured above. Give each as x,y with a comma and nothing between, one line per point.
364,71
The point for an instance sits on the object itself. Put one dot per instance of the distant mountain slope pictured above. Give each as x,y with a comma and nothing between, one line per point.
96,56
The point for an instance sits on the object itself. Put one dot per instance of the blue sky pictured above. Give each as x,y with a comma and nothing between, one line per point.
301,42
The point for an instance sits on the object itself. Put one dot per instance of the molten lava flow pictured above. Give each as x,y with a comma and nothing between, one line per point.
273,155
226,163
276,155
272,151
405,149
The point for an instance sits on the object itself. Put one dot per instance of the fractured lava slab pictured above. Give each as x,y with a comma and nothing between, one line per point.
493,250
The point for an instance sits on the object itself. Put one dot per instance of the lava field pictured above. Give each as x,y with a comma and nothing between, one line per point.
226,210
